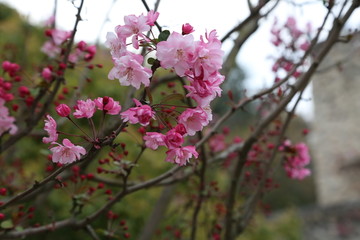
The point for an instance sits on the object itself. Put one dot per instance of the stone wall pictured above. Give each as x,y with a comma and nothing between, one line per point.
335,137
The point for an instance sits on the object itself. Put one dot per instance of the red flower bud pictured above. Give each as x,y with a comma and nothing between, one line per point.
63,110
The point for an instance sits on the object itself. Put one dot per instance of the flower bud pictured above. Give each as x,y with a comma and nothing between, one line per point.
187,29
63,110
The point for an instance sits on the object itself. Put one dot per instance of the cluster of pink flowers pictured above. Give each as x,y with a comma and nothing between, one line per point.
53,47
198,61
291,48
7,122
297,159
67,152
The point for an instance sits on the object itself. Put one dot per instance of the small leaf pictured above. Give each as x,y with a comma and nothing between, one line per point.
163,36
151,61
175,96
7,224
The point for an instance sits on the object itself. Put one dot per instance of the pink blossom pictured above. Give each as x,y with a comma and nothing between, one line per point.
140,114
47,74
134,26
194,120
176,52
117,46
84,109
152,17
153,140
129,70
180,128
50,49
217,143
6,121
60,36
66,153
181,155
295,164
204,89
208,54
63,110
173,139
50,127
108,105
11,68
187,29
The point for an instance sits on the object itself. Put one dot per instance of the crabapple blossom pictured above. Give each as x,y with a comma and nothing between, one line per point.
47,74
129,70
117,46
6,121
59,36
84,109
134,26
67,152
205,89
176,52
108,105
152,17
173,139
153,140
63,110
181,155
140,114
295,164
187,29
50,127
50,49
208,54
194,120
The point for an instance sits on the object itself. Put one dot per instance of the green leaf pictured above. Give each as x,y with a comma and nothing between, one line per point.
164,35
7,224
151,61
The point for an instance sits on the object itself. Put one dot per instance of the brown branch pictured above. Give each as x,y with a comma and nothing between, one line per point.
299,86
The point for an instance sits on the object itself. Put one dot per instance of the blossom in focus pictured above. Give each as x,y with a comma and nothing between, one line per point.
134,26
129,70
209,55
181,155
153,140
84,109
6,121
117,46
67,152
176,52
50,127
173,139
194,120
63,110
140,114
108,105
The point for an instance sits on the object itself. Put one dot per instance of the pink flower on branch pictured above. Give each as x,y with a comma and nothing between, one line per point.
194,120
129,70
152,17
84,109
181,155
67,152
63,110
140,114
153,140
6,121
50,127
108,105
176,52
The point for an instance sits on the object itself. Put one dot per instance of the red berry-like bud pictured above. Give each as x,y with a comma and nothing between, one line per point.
2,216
63,110
3,191
187,29
23,91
